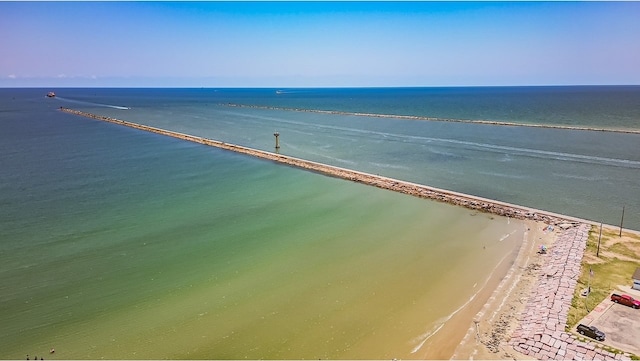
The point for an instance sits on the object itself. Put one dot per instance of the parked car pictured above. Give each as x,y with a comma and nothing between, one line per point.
591,331
625,300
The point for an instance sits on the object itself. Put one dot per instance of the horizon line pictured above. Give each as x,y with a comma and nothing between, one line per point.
317,87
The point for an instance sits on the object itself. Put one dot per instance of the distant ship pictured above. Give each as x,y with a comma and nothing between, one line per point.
51,94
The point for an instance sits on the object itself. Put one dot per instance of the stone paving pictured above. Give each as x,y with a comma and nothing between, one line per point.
540,333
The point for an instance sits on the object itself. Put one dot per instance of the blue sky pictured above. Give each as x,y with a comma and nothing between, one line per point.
316,44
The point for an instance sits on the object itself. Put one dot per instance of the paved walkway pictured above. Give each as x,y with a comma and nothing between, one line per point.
540,333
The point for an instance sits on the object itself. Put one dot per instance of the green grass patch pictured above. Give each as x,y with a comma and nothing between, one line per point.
608,273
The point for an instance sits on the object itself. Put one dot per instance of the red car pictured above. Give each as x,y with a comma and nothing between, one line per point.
625,300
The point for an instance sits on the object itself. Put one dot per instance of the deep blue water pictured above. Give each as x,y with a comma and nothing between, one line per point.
607,107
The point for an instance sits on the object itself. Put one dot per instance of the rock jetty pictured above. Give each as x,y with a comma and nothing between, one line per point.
413,189
434,119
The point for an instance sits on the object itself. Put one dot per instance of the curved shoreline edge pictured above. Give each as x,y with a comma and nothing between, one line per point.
417,190
435,119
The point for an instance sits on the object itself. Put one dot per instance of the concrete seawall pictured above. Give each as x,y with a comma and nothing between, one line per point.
417,190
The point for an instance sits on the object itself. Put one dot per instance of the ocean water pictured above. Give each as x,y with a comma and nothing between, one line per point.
582,173
120,244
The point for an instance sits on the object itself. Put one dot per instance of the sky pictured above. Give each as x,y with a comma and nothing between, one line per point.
318,44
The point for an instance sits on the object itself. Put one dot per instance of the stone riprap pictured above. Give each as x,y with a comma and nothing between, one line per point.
417,190
541,330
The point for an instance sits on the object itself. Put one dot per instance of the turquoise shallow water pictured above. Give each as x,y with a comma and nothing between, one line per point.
119,244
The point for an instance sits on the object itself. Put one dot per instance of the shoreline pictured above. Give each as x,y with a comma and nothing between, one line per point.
435,119
491,327
454,335
417,190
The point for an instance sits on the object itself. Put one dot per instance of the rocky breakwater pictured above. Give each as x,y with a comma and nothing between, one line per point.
435,119
413,189
541,326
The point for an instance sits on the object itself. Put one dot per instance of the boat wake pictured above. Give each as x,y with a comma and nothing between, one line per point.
505,150
94,104
290,91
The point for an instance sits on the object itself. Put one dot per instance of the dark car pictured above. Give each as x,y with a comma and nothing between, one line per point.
591,331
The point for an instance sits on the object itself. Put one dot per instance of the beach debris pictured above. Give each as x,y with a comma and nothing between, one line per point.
498,334
585,292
